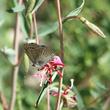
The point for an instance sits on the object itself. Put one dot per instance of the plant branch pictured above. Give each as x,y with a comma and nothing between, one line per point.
3,101
35,28
60,28
15,67
62,51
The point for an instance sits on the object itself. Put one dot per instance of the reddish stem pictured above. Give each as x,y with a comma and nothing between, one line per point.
60,28
15,69
3,101
35,28
62,51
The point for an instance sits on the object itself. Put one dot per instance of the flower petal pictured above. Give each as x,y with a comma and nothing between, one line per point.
57,61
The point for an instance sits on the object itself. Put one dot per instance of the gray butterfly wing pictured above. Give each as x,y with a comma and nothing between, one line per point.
38,54
46,55
31,50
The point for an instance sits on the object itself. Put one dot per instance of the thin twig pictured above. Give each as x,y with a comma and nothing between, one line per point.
15,69
62,51
3,101
59,93
35,28
60,29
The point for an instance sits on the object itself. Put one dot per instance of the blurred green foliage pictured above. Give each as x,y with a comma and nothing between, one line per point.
87,56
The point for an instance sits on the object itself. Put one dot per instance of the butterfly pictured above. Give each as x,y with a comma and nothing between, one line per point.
38,54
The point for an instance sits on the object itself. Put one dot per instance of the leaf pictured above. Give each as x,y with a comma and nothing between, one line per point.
29,6
9,54
24,26
37,5
93,27
45,29
33,6
44,89
17,8
42,93
75,12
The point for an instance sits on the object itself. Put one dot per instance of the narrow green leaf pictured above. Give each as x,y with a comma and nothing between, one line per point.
37,5
42,93
76,11
45,29
17,8
24,26
33,6
29,6
44,89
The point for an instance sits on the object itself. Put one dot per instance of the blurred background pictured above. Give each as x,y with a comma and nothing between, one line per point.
86,55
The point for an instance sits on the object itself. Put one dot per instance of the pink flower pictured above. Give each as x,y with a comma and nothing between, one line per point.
47,70
67,95
57,61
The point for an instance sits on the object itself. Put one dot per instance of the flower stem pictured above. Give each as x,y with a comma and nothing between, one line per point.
15,67
62,51
3,101
59,93
60,28
35,28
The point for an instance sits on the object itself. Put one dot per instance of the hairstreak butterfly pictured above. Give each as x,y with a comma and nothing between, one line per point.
38,54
